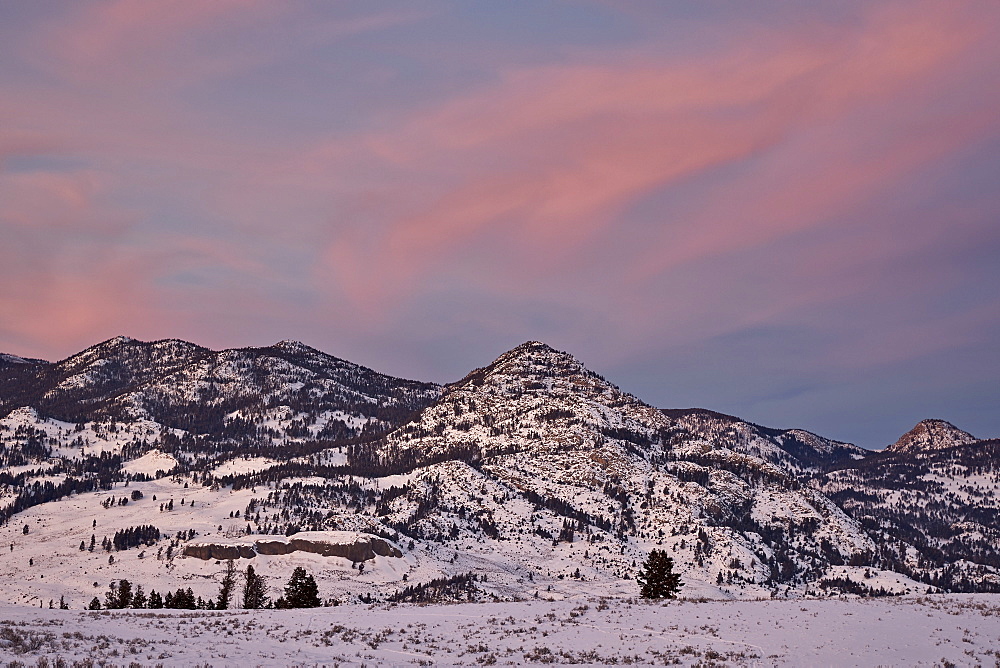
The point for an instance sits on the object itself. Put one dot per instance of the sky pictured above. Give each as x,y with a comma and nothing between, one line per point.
788,212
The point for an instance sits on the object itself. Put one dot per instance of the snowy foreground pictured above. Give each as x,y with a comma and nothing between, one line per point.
960,630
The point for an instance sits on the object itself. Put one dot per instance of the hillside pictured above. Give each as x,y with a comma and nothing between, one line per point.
530,477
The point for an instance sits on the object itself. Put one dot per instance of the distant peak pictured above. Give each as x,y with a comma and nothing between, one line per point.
121,340
536,353
15,359
293,346
527,347
534,347
533,365
932,434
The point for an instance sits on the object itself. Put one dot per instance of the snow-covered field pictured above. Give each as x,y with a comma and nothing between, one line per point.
955,630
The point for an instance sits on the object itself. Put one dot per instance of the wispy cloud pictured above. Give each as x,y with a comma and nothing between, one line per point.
383,178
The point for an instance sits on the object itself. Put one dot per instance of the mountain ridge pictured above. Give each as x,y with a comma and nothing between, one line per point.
532,469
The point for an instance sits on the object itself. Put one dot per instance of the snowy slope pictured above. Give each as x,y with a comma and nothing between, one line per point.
533,473
912,631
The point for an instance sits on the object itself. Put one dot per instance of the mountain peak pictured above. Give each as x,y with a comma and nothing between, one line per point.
290,345
533,345
535,366
931,435
120,340
16,359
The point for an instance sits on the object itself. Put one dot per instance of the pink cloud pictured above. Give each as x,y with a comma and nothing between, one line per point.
549,159
533,185
123,43
59,201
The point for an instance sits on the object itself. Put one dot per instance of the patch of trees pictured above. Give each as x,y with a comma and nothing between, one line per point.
123,594
455,588
135,536
566,509
42,492
849,586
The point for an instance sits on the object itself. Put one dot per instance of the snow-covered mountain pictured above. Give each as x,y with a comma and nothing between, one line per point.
239,399
14,359
533,473
794,450
932,435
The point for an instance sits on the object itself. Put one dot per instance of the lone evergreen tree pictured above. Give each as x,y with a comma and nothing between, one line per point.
254,590
657,578
301,590
226,585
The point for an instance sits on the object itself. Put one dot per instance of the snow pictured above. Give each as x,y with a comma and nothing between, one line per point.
958,630
92,438
150,463
242,465
14,359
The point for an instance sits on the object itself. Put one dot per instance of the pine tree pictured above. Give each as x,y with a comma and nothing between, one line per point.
139,597
95,604
226,585
119,595
657,578
301,590
254,590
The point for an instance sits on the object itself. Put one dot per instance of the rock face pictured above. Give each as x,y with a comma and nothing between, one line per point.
359,551
932,435
219,552
356,547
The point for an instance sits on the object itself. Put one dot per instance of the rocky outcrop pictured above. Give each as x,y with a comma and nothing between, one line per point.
272,547
219,552
361,548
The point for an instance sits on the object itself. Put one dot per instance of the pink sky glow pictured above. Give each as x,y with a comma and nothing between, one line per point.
790,214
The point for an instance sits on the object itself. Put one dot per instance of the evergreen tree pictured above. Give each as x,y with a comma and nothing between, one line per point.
301,590
657,578
139,598
226,585
182,599
254,590
95,604
119,595
155,600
